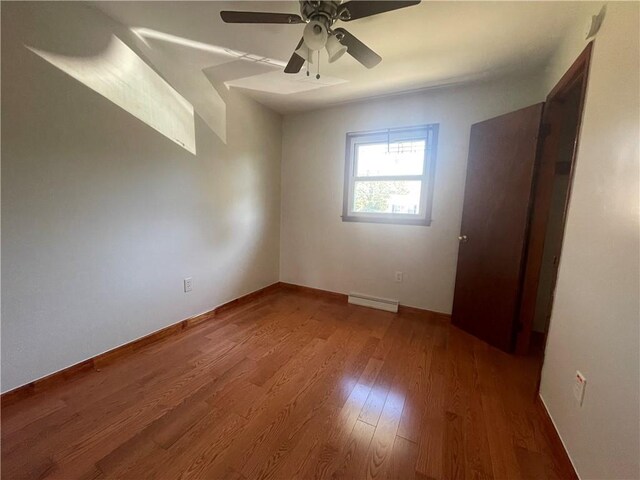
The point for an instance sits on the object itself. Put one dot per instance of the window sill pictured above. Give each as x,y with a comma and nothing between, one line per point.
424,222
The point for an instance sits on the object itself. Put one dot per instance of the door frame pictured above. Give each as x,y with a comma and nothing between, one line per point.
543,184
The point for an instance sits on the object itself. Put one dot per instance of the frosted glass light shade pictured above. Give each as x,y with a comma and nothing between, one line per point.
305,53
315,35
335,49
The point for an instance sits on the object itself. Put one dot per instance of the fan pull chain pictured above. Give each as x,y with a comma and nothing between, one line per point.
318,74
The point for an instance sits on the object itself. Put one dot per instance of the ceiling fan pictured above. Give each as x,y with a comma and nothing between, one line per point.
320,15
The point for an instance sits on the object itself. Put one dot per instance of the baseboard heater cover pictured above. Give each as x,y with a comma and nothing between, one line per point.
373,302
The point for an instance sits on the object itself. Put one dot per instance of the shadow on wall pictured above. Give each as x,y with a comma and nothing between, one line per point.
122,77
160,78
101,214
111,60
91,48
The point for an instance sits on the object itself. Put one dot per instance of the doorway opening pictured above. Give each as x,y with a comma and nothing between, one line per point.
559,143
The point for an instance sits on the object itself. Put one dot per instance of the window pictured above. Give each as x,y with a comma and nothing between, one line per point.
389,175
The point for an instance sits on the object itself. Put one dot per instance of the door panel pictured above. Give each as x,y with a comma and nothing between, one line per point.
495,217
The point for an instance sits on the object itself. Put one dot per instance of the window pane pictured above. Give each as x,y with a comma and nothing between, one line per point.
387,197
398,158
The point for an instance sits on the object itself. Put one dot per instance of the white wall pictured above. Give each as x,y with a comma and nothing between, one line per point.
103,217
595,324
319,250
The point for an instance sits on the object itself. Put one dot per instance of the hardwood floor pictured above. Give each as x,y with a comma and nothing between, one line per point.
288,386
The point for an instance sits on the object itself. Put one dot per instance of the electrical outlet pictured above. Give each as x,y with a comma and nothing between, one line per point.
188,284
579,385
399,276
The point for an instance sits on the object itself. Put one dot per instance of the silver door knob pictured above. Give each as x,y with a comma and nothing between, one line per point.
463,238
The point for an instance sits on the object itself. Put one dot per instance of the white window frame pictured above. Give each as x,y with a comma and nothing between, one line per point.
428,133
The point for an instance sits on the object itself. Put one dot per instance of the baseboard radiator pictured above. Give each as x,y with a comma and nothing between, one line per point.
374,302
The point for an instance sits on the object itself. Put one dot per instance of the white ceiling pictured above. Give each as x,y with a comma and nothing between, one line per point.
428,45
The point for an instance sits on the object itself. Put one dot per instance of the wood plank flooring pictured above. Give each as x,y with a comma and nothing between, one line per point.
289,386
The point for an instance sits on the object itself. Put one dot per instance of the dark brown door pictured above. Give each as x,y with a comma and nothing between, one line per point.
495,216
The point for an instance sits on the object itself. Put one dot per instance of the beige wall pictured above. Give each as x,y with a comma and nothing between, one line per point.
103,217
319,250
595,323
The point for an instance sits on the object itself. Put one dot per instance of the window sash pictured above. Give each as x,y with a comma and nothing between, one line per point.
422,133
389,178
421,205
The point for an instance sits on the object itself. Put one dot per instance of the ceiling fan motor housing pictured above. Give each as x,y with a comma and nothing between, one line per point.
325,11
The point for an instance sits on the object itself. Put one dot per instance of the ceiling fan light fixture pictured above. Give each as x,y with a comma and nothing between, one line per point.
320,17
305,53
315,35
335,49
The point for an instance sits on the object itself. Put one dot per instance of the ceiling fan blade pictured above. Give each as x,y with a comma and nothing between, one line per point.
358,50
296,61
356,9
259,17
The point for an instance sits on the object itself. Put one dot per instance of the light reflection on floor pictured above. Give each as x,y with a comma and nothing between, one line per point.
390,401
